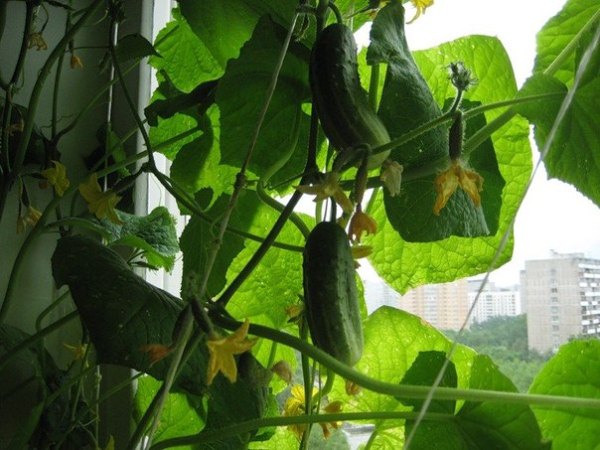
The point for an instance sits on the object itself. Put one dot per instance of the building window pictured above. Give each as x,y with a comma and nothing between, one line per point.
555,319
554,310
555,328
554,290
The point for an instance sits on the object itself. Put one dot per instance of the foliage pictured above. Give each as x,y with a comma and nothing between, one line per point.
234,114
504,339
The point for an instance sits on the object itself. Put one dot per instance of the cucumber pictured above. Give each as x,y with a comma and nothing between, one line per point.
348,119
330,293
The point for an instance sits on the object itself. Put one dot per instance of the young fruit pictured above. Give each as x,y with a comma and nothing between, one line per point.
330,294
348,120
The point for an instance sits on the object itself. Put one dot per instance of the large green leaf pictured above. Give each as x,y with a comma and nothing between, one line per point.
559,32
574,154
22,392
185,60
572,372
393,341
179,416
477,425
197,164
404,265
242,92
407,103
123,313
233,22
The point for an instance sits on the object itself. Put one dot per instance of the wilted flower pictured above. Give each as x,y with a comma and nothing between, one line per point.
76,62
391,176
360,223
31,217
283,370
456,176
156,352
37,40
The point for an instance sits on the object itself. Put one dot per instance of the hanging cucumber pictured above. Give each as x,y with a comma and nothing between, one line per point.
348,120
330,294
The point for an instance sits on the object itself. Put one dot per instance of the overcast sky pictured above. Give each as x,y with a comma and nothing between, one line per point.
554,215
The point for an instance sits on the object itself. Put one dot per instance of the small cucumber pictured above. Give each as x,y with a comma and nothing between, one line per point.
343,107
330,293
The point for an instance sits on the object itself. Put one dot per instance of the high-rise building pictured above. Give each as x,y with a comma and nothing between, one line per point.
561,297
444,305
493,301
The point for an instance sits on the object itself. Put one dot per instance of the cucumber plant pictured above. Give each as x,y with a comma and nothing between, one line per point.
259,101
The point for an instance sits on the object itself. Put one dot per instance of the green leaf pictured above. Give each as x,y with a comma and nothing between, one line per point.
179,415
22,392
477,425
393,341
487,425
202,96
574,153
121,311
404,265
406,101
134,46
424,372
175,125
197,164
572,372
242,92
185,60
233,22
155,235
197,241
559,32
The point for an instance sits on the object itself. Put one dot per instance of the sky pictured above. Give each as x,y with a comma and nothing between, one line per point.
554,215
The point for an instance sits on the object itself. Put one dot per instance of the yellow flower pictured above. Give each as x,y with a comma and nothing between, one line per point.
456,176
391,176
76,62
30,218
294,406
329,188
57,177
360,223
79,351
222,350
102,204
421,6
37,40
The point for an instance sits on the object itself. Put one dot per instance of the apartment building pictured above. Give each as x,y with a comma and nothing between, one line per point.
444,305
493,301
561,297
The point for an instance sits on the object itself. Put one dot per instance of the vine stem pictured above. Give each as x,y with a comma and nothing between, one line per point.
188,319
250,425
41,79
407,391
30,341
